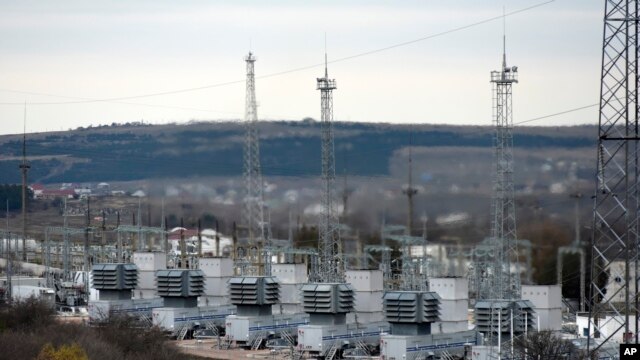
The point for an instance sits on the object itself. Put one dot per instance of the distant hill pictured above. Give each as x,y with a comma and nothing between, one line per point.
135,151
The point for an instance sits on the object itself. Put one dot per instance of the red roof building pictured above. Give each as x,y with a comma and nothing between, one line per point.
55,193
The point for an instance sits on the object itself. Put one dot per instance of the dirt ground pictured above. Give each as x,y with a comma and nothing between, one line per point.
208,349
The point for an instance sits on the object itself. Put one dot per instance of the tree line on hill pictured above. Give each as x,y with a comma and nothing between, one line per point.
109,153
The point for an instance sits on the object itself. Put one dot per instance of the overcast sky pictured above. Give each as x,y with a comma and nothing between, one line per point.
118,49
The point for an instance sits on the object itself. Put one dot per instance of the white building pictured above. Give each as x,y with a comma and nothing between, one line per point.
547,301
23,292
607,326
291,278
616,280
454,304
369,290
148,263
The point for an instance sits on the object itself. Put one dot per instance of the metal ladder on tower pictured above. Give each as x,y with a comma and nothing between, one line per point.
144,319
296,354
224,343
209,325
257,341
182,333
332,351
362,346
445,355
288,338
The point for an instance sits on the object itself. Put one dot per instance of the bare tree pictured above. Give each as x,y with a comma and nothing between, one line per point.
546,345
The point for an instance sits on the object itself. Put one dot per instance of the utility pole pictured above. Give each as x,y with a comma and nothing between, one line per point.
577,196
575,248
424,219
183,246
148,212
289,257
119,245
9,260
134,243
87,257
199,239
345,192
67,246
217,239
410,191
141,244
165,237
163,225
24,168
103,237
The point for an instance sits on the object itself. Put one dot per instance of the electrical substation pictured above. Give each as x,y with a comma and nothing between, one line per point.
396,299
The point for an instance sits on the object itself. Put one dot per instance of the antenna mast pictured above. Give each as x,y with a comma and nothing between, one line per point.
254,197
331,262
499,282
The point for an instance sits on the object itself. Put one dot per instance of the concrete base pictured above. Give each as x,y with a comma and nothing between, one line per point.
454,310
368,301
144,294
213,300
287,309
410,347
216,286
365,317
549,319
447,327
290,293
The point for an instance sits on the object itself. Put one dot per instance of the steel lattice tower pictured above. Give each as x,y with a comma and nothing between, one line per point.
331,267
254,197
498,282
614,257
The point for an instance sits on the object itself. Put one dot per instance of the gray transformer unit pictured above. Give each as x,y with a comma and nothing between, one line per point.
180,289
115,283
411,315
254,322
411,312
328,331
494,316
328,303
254,295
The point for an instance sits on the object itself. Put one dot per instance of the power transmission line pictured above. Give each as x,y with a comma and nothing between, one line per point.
298,69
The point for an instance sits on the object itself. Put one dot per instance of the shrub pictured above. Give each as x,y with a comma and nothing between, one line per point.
29,330
25,314
65,352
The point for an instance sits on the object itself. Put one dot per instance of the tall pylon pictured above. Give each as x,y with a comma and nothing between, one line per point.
253,212
24,169
614,257
331,269
498,281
